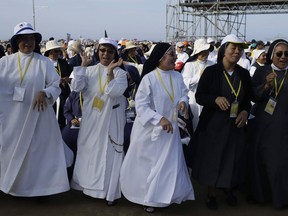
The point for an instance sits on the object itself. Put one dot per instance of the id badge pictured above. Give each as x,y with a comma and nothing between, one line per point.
130,115
270,106
234,109
98,104
18,94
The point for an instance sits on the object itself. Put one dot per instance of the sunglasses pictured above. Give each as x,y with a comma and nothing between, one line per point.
109,51
280,54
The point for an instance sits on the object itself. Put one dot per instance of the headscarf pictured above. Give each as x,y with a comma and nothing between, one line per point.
257,53
271,49
156,55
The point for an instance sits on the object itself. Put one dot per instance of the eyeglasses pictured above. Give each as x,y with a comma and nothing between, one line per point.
109,51
280,54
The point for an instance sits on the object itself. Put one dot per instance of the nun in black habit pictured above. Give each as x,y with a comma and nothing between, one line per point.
268,164
224,91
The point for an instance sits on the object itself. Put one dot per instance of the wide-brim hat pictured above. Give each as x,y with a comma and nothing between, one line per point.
201,45
129,45
22,29
210,40
51,45
231,38
108,41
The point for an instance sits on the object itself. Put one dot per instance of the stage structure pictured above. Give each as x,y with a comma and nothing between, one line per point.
192,19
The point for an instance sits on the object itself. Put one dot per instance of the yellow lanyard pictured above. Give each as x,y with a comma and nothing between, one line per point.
171,96
133,59
58,69
281,84
133,92
81,100
232,88
101,88
22,76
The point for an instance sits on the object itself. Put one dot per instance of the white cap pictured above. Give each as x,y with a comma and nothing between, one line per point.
108,41
179,44
234,39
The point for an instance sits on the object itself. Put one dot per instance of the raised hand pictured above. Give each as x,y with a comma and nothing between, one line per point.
86,59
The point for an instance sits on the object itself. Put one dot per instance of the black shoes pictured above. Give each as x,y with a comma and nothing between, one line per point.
231,199
149,209
212,203
111,203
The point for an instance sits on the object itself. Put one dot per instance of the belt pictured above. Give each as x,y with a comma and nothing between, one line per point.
115,106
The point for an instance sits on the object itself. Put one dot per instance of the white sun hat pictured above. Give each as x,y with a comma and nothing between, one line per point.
201,45
50,45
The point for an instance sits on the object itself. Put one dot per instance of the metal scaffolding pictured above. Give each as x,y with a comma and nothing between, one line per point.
191,19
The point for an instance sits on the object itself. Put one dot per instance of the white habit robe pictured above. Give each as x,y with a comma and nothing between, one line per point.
98,161
191,73
154,172
32,159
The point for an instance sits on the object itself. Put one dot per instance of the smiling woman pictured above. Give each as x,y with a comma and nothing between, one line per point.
29,86
225,91
101,135
268,131
154,173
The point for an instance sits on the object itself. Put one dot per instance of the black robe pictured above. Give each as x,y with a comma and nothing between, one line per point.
65,91
219,146
268,152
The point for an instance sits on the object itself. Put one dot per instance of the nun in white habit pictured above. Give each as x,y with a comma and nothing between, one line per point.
101,136
154,173
192,72
32,157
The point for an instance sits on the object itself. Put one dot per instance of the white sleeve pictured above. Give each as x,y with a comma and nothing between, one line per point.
79,80
144,104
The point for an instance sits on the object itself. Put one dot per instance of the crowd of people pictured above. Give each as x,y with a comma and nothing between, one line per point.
144,119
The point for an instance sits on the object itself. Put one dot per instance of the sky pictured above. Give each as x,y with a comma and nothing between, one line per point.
130,19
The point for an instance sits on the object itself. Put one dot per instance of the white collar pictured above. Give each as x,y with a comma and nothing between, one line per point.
277,69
